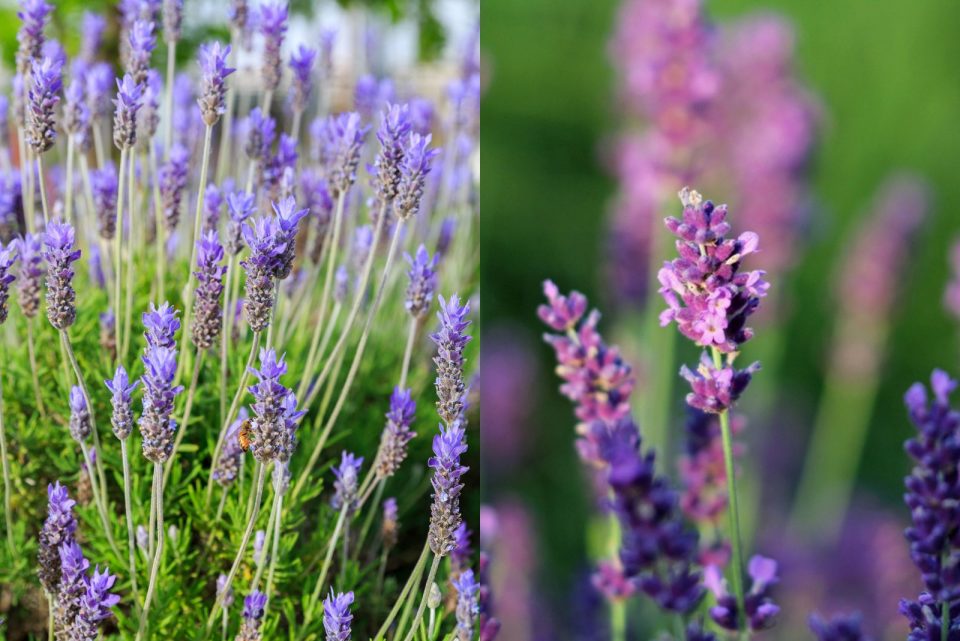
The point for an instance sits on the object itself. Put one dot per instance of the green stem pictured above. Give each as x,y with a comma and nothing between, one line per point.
117,250
423,600
131,544
34,372
408,350
318,588
184,422
368,522
157,502
6,478
275,554
168,122
131,261
43,191
275,505
414,580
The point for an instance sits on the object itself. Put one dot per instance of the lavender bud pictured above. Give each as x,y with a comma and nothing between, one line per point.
162,325
271,436
423,281
122,390
468,605
448,446
43,97
396,434
451,340
207,317
34,15
128,102
157,426
60,254
79,415
108,333
95,605
266,250
393,131
253,611
228,465
228,596
301,63
346,136
214,71
72,588
414,170
434,597
172,19
7,258
148,119
337,617
288,219
76,114
173,177
241,206
57,529
92,26
273,26
212,204
347,482
390,526
142,41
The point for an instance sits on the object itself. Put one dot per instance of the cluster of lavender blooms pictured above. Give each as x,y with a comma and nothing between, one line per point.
157,425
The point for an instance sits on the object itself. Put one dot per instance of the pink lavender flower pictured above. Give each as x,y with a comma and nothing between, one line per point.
172,20
207,316
60,254
128,102
714,389
414,169
273,26
423,282
240,206
397,433
79,415
34,15
95,605
346,134
58,529
173,177
448,446
157,425
468,606
301,63
228,465
142,41
347,482
761,611
337,617
451,339
43,98
214,71
266,251
162,325
254,606
389,526
7,257
270,435
122,398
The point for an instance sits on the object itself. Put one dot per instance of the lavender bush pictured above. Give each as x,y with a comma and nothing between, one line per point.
174,395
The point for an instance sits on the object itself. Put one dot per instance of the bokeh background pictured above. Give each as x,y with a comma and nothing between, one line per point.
887,82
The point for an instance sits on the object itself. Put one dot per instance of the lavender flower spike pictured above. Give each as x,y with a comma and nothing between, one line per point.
57,530
172,20
413,178
451,340
157,426
347,134
207,316
337,617
162,325
390,527
72,587
423,281
142,42
266,249
397,433
173,177
270,438
34,15
468,605
79,415
228,465
43,98
448,446
241,206
31,271
95,605
214,72
273,26
347,482
253,611
392,134
288,218
128,102
7,258
839,628
761,611
60,254
103,184
301,63
221,586
122,397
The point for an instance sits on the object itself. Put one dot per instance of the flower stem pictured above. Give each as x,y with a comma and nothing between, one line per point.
131,545
32,353
68,192
318,588
43,192
157,505
408,351
131,260
8,520
368,522
735,543
168,123
275,553
423,600
197,366
275,505
225,337
414,580
117,249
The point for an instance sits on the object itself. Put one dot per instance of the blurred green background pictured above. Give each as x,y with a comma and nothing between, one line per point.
888,78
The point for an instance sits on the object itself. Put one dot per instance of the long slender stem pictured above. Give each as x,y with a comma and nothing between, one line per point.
368,522
34,373
49,616
131,260
321,349
331,266
274,506
243,546
184,422
408,350
117,250
731,471
127,507
225,335
8,519
423,600
331,547
160,250
413,581
275,553
241,388
157,502
68,192
43,191
168,121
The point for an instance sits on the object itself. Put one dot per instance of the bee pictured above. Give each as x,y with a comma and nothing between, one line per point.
243,435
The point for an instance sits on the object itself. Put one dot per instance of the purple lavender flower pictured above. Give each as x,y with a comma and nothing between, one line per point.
30,249
451,339
288,220
462,552
157,426
448,446
320,205
390,526
266,251
214,71
423,281
273,26
261,131
76,113
413,170
392,134
103,184
228,465
148,118
716,390
839,628
301,63
7,258
142,41
270,436
337,617
108,333
932,490
73,587
761,611
347,482
397,433
259,540
172,19
346,138
122,397
468,606
421,116
207,317
57,530
241,206
128,103
79,415
447,229
43,98
328,40
95,605
100,81
60,253
212,206
34,15
221,586
341,284
173,177
162,325
254,606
